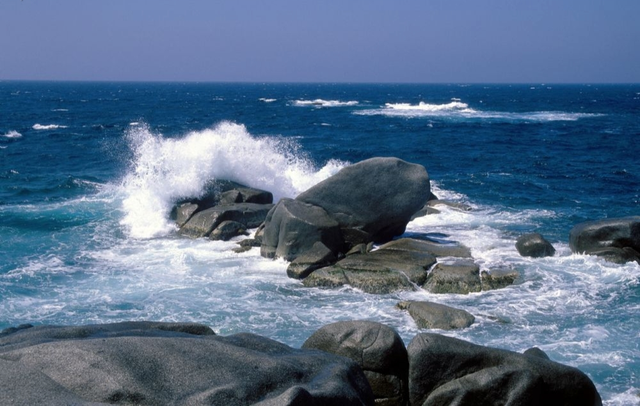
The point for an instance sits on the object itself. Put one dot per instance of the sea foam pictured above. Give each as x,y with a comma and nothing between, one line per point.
12,134
47,126
167,169
324,103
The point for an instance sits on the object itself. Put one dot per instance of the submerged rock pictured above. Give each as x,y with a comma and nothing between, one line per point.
534,245
448,371
165,363
431,315
617,240
378,350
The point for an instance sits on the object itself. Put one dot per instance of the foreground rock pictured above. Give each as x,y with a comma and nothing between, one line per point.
203,223
378,350
448,371
460,277
534,245
164,363
617,240
372,200
431,315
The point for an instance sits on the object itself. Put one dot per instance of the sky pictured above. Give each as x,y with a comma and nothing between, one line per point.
417,41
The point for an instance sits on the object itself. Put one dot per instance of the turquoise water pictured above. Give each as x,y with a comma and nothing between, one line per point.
89,171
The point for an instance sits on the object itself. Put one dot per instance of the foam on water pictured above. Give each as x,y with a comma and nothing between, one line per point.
12,134
324,103
47,126
458,110
165,170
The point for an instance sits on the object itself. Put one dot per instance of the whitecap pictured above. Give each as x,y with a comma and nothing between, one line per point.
47,126
12,134
324,103
264,99
165,170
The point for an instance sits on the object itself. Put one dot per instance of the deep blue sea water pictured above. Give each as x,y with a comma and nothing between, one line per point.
89,171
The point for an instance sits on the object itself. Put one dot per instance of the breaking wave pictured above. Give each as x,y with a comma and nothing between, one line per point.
324,103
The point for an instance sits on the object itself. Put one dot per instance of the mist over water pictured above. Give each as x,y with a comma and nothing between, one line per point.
89,173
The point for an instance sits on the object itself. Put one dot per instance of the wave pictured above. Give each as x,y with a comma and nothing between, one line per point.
47,126
167,169
459,110
324,103
264,99
12,134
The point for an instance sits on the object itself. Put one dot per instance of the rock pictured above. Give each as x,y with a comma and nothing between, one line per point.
380,271
182,213
534,245
498,278
536,352
378,350
227,230
617,239
448,371
434,315
317,257
431,247
159,364
462,277
377,196
202,223
293,227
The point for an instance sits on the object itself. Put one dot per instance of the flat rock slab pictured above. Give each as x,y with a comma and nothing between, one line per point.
431,247
381,271
461,278
159,364
431,315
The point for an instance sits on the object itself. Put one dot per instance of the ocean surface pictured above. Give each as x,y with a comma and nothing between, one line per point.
89,173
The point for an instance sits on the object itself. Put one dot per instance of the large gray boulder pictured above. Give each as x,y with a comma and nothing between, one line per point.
617,240
448,371
164,363
378,350
534,245
372,200
427,246
292,227
460,277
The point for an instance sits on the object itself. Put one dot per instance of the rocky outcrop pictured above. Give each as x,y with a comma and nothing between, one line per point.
380,271
431,315
202,223
534,245
378,350
164,363
372,200
427,246
498,278
447,371
617,240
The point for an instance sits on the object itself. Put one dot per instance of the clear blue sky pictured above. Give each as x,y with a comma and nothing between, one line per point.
541,41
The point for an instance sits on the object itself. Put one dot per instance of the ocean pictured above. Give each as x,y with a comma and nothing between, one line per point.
89,173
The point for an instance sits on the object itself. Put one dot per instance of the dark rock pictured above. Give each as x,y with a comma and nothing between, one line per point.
140,363
377,196
536,352
227,230
498,278
182,213
434,315
380,271
293,227
358,249
534,245
462,277
425,211
617,239
202,223
378,350
317,257
230,197
434,248
448,371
